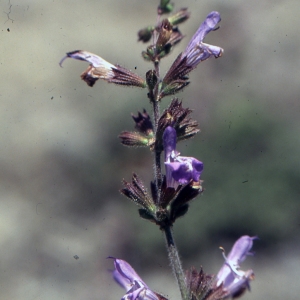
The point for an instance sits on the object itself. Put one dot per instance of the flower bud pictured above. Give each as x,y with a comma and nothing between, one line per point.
165,7
165,32
101,69
179,17
145,34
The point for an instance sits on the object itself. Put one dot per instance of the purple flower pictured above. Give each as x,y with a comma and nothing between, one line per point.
136,288
99,68
197,51
179,169
236,281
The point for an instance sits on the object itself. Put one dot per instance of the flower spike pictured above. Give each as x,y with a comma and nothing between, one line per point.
101,69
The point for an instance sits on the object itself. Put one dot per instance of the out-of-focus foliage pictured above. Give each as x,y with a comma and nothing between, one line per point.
62,163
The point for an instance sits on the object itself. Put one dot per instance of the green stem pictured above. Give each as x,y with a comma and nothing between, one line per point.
175,263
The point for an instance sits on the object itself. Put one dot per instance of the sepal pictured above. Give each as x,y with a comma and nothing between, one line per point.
179,118
165,32
146,215
180,205
149,54
145,134
179,17
125,77
172,88
167,194
201,287
174,202
175,37
137,192
143,123
176,73
135,139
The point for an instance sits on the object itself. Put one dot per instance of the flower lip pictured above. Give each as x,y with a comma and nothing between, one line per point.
169,138
241,249
179,169
195,53
212,19
125,270
99,68
92,58
135,287
234,280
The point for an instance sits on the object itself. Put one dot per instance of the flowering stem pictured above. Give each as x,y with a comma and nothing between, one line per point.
175,263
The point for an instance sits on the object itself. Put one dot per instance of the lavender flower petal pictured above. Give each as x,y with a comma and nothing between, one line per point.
212,19
92,58
196,51
125,271
99,68
184,169
169,138
122,281
136,288
235,281
179,169
241,249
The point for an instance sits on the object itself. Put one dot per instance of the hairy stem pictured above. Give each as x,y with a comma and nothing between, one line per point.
157,153
175,263
156,113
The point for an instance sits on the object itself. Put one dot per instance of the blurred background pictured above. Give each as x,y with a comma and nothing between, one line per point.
61,213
